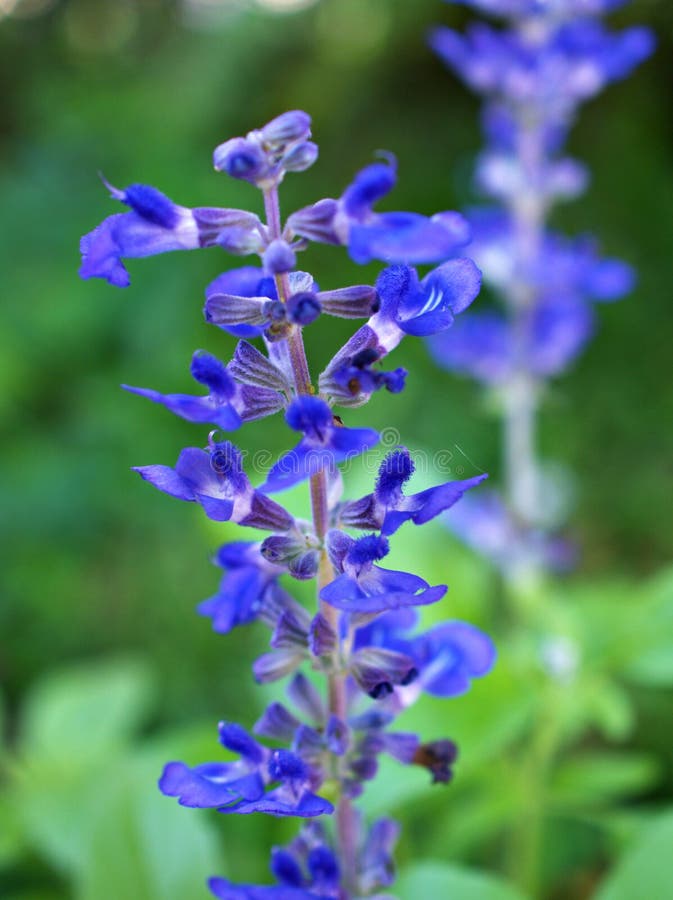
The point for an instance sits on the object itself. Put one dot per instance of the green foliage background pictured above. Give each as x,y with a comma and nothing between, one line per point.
564,787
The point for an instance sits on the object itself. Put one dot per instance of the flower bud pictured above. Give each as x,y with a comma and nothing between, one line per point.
280,549
303,308
305,566
279,257
323,639
316,222
275,311
359,301
300,157
241,158
287,128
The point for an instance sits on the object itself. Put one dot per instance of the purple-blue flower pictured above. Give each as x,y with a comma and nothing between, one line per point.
562,8
241,786
322,736
215,479
248,590
307,869
407,306
363,587
325,443
226,890
157,225
245,301
393,236
484,523
387,508
446,657
575,62
449,656
264,155
227,403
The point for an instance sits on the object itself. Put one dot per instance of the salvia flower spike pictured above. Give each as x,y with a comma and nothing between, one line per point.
366,657
534,74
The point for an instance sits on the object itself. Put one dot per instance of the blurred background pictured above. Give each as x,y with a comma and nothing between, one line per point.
106,671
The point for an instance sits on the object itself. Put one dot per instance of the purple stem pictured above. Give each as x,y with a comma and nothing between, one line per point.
345,813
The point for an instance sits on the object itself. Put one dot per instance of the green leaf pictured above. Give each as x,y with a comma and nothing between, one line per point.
77,723
439,880
59,803
11,836
602,777
609,708
85,711
142,844
653,667
647,868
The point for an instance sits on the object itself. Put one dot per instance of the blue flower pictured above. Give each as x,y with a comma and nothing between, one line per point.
566,8
378,671
484,523
263,156
449,656
372,739
363,587
241,786
307,869
575,63
566,276
157,225
226,890
215,479
227,404
391,237
359,380
249,589
289,643
237,301
245,303
324,444
407,306
387,508
425,307
376,867
446,658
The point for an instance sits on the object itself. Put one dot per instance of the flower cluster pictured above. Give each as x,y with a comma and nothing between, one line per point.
362,642
534,73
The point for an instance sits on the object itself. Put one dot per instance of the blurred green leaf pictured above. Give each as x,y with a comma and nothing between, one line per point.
39,894
608,707
85,711
75,725
54,802
654,667
646,870
12,838
600,777
489,803
142,844
438,880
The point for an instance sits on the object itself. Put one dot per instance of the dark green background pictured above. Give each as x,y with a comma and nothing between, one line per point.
97,565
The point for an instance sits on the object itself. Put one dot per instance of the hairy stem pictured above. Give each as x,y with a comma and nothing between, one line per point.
345,813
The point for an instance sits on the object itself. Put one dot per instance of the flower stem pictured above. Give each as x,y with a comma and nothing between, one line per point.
336,688
528,212
520,393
